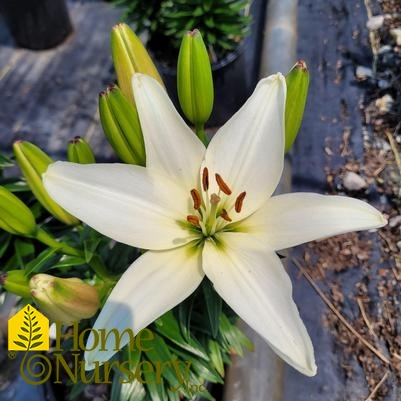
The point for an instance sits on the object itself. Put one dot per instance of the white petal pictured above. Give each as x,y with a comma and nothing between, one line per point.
128,203
292,219
248,151
253,282
170,144
152,285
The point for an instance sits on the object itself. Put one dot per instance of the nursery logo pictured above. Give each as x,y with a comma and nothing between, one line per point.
28,331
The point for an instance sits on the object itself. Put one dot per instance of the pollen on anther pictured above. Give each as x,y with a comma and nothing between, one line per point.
224,215
194,220
239,202
205,179
196,198
222,185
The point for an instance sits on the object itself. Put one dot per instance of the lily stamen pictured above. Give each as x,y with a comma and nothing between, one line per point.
222,185
196,199
194,220
224,215
239,202
205,179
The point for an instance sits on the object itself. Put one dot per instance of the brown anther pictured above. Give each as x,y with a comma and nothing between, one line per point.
214,199
205,179
196,198
224,215
222,185
194,220
239,201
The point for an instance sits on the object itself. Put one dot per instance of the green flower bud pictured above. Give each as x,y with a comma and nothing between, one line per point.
16,282
297,91
33,162
64,299
130,56
15,217
194,79
120,122
79,151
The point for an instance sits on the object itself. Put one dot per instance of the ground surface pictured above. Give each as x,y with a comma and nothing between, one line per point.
347,146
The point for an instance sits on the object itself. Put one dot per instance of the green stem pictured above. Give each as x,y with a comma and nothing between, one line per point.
45,238
200,132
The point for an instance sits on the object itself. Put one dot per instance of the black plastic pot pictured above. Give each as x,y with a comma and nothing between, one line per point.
231,86
37,24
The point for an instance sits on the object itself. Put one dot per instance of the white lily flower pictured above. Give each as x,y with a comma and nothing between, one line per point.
206,212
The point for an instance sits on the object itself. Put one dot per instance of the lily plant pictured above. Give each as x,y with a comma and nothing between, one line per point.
206,211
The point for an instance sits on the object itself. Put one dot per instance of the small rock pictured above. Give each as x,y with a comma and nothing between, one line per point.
375,22
396,34
353,181
385,49
394,221
363,73
383,84
384,103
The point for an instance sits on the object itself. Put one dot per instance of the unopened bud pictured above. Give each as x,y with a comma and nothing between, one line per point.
15,281
120,122
79,151
297,91
33,162
64,299
15,217
194,79
130,56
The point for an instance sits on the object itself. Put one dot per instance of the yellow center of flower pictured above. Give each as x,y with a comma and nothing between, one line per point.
210,215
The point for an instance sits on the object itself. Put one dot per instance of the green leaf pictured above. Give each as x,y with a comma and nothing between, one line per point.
132,391
216,357
43,262
213,306
90,247
5,240
69,261
156,392
5,162
168,326
23,249
160,353
233,337
202,369
184,316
